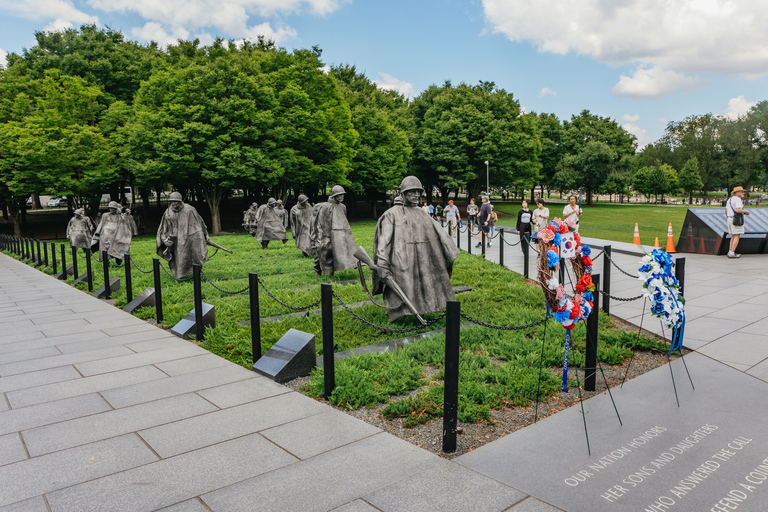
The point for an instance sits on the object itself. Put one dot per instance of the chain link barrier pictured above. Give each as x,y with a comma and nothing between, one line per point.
622,299
385,329
222,291
502,327
139,268
621,269
174,277
294,308
512,244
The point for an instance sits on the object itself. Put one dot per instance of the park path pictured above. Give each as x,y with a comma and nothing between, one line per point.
102,411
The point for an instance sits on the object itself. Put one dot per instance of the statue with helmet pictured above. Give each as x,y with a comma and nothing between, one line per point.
412,257
114,233
182,237
80,230
249,219
330,235
270,223
301,217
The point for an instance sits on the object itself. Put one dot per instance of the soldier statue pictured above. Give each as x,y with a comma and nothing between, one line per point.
182,237
80,230
331,236
413,257
114,233
283,214
301,216
270,223
249,219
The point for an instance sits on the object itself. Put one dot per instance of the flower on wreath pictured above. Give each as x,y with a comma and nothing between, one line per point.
585,249
586,260
552,258
546,234
564,227
559,292
662,288
557,240
571,224
553,283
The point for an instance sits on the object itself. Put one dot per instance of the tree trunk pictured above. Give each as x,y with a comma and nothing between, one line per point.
36,200
212,194
16,211
690,197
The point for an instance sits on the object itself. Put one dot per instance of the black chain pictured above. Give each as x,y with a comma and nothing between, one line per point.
623,299
514,244
222,291
139,269
502,327
597,255
174,277
386,329
300,308
621,269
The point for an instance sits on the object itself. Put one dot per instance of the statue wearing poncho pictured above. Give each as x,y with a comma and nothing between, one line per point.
331,236
114,233
80,230
301,217
418,255
182,237
270,223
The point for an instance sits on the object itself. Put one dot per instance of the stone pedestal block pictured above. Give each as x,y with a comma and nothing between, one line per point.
144,299
292,356
83,278
186,325
114,286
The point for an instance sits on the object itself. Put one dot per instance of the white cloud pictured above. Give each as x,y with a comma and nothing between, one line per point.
546,91
3,55
725,37
154,31
58,25
655,82
643,139
390,83
738,107
630,118
326,69
63,12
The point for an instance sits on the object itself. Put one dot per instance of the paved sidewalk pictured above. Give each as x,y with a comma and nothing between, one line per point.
102,411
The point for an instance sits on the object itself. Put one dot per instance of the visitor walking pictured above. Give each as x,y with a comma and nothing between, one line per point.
734,211
485,220
453,216
572,211
540,217
492,223
524,217
472,215
439,214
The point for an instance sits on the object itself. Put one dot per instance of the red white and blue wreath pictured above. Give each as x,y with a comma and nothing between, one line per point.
559,241
663,290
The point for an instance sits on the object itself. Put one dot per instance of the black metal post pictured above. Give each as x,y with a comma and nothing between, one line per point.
501,247
458,237
561,272
451,377
469,239
526,253
607,279
74,262
39,254
53,253
253,291
63,263
88,269
31,245
26,248
105,266
198,291
680,273
128,284
45,254
326,305
482,242
158,291
590,356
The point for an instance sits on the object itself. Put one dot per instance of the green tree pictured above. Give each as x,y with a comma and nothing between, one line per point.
697,136
690,179
552,149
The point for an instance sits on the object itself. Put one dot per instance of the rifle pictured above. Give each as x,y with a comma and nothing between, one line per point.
214,244
363,256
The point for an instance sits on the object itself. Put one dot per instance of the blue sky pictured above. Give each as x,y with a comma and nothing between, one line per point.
641,62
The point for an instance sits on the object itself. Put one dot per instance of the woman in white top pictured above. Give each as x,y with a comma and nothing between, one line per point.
540,217
732,206
572,211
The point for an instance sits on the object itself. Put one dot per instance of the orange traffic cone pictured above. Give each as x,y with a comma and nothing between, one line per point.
656,243
670,240
702,249
636,238
689,239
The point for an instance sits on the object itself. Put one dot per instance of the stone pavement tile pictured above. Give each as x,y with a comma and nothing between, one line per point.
242,392
747,313
192,364
692,313
123,362
759,371
760,327
83,386
40,340
356,506
311,436
533,505
129,329
36,504
194,505
62,360
209,429
45,414
741,349
48,473
692,344
102,340
31,334
710,328
111,322
11,449
41,378
18,326
3,404
328,480
55,316
112,423
24,355
446,485
148,391
155,342
715,299
171,481
761,299
67,327
11,313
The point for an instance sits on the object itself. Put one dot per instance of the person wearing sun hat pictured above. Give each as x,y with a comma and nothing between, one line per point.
453,216
733,206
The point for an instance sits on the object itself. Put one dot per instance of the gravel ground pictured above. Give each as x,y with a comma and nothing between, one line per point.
507,420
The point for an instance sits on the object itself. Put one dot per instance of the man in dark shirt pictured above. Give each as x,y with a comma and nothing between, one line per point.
485,222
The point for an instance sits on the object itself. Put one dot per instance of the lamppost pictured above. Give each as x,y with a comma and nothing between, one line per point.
488,179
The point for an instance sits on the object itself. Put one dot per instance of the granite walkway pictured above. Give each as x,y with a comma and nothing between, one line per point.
102,411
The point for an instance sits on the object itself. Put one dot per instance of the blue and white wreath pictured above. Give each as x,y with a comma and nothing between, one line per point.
663,290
